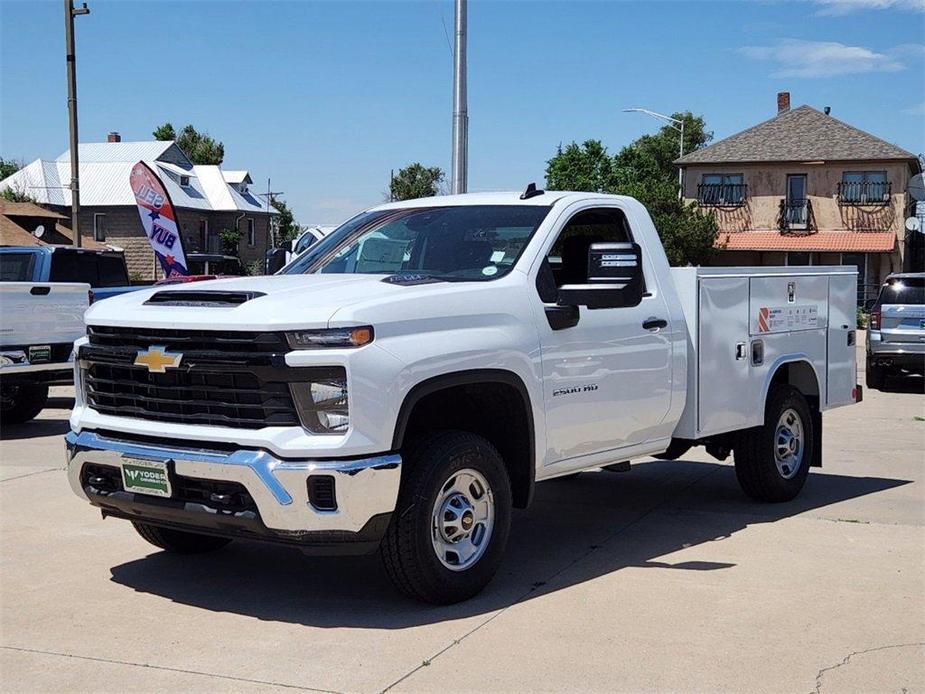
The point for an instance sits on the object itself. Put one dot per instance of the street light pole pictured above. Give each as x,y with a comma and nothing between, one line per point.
677,125
459,182
69,13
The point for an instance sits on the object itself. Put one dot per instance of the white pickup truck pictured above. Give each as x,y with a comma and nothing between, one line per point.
39,322
406,382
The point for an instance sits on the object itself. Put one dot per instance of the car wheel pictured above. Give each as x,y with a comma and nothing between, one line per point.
22,402
875,376
179,541
772,461
452,520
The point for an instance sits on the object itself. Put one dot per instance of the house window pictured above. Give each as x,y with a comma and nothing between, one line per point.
184,181
721,190
251,233
864,188
800,258
99,227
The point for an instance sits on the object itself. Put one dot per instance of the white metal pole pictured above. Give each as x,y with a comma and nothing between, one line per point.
681,168
460,164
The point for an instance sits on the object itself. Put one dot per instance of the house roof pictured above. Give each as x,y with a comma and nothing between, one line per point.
26,209
823,241
803,134
104,178
12,234
237,177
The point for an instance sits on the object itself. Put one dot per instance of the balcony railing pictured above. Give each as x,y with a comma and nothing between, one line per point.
864,192
722,194
796,216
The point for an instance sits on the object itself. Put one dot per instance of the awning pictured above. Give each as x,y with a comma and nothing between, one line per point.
822,241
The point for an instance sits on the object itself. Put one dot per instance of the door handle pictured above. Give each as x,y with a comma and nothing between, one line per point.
653,323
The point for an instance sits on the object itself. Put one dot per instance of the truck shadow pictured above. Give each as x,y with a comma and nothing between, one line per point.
575,531
38,428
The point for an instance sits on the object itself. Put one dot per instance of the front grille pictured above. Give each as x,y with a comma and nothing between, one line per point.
188,340
216,383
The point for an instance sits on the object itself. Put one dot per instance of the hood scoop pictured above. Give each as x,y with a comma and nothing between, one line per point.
202,298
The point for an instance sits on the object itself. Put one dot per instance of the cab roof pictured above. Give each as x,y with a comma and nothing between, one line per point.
545,199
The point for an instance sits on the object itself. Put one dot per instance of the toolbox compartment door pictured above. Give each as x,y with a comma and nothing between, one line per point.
842,350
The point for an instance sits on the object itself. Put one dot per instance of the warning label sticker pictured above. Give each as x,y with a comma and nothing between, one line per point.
784,318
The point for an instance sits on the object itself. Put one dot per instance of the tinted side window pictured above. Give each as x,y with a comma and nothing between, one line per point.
74,267
902,290
16,267
568,258
112,271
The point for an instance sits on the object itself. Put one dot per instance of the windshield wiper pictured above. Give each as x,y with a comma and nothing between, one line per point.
409,279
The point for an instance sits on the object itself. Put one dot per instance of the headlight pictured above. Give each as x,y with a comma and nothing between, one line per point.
322,400
331,337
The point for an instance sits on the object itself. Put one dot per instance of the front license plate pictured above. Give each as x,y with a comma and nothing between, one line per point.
145,477
40,354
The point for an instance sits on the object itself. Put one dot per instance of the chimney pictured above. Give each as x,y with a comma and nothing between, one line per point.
114,137
783,102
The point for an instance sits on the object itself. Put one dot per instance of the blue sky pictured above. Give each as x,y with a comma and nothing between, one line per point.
327,97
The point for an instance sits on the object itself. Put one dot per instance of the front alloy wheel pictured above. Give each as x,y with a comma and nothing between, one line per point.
452,518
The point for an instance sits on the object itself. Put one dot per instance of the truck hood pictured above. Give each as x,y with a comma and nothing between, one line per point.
279,302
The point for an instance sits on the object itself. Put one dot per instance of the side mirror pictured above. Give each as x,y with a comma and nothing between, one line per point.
615,278
276,258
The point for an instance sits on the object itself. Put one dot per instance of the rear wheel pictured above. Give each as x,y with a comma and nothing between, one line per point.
451,523
772,461
21,402
875,376
179,541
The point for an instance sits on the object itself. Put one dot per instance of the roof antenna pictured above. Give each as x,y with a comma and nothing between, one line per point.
531,192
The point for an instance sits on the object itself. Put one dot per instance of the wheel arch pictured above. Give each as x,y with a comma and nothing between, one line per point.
798,371
480,397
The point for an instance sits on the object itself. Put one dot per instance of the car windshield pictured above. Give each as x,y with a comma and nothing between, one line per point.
469,242
903,290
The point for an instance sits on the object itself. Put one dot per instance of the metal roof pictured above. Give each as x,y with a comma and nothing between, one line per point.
237,177
105,181
803,134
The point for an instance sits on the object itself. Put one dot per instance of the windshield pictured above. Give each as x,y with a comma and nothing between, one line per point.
903,290
470,242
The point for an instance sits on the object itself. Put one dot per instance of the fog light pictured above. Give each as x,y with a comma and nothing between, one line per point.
322,400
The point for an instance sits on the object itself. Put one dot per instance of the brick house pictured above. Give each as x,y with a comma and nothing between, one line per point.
206,198
804,188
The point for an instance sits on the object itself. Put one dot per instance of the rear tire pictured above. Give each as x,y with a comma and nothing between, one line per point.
875,376
452,520
772,461
179,541
22,402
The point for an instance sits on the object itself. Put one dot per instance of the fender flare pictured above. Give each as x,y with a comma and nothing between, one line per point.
471,377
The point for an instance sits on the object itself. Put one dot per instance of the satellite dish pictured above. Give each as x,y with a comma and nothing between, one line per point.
913,224
917,188
39,231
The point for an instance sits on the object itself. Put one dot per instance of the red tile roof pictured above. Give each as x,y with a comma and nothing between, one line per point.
833,241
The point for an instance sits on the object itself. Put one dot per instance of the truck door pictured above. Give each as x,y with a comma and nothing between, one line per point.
607,378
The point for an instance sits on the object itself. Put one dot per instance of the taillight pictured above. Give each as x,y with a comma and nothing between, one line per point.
874,318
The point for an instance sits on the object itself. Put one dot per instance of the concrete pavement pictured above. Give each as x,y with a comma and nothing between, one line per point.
664,578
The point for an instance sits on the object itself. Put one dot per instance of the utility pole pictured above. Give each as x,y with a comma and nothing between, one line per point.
271,242
677,125
460,107
69,13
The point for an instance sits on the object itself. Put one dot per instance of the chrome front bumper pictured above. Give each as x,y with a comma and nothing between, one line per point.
365,487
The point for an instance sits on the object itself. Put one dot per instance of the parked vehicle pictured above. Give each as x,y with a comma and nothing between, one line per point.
40,322
214,264
278,257
103,270
405,382
896,330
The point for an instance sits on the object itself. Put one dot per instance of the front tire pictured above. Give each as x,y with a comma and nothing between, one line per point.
452,520
22,402
179,541
772,461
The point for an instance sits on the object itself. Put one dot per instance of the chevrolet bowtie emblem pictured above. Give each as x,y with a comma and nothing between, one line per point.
158,359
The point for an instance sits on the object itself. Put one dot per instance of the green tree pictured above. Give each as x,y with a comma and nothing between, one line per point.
644,169
416,181
8,167
198,146
287,229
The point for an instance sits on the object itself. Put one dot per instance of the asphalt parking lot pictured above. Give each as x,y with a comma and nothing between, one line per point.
664,578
